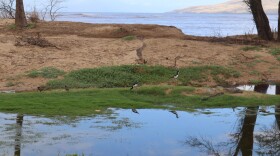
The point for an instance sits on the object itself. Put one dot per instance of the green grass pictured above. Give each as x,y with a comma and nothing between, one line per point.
251,48
126,75
129,38
275,52
255,82
12,27
86,102
31,25
47,72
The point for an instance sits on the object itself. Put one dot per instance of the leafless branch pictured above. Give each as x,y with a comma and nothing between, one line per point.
7,8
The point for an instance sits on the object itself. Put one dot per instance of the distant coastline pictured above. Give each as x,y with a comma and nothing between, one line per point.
231,6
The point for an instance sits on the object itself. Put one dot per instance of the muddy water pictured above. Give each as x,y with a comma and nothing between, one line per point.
242,131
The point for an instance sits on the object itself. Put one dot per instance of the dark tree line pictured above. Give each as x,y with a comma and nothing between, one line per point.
261,20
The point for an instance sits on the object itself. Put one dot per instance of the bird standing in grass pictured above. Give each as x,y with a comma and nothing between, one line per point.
174,112
134,111
41,88
66,88
176,76
134,85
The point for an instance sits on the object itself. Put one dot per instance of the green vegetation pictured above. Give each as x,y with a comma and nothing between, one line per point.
92,101
12,26
275,52
47,72
9,84
255,82
129,38
251,48
126,75
31,25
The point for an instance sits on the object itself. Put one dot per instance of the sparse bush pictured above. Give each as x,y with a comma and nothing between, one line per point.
9,84
34,16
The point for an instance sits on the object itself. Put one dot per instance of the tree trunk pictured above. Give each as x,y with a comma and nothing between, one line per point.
260,19
278,36
20,20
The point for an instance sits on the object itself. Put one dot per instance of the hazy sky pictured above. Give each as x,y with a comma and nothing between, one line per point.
149,6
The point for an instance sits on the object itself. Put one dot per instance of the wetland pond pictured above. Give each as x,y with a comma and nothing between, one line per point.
148,132
228,131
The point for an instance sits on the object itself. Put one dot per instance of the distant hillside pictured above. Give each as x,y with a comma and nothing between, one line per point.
231,6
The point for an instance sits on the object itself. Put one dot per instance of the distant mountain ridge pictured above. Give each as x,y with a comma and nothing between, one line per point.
231,6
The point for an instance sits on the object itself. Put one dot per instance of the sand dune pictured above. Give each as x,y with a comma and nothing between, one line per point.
231,6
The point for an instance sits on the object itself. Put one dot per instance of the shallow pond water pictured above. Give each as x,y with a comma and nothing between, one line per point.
246,131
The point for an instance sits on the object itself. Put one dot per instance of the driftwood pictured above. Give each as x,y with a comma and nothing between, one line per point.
34,40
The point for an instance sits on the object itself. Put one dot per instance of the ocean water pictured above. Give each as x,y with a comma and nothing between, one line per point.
190,24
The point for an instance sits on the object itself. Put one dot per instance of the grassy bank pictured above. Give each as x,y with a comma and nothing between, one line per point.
126,75
85,102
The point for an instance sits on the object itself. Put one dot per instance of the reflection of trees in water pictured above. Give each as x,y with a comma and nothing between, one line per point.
262,88
241,141
19,122
269,139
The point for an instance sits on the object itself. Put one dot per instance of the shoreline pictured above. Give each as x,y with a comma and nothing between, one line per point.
75,46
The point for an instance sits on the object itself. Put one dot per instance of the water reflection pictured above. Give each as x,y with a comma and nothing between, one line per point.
19,122
262,88
122,132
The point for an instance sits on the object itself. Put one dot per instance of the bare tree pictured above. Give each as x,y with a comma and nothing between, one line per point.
260,19
7,8
20,19
52,9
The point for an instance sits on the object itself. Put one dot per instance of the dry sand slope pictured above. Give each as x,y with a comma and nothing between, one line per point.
79,45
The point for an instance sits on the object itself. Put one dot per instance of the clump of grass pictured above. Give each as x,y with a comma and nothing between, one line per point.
255,82
129,38
10,84
251,48
275,51
12,27
47,72
31,25
126,75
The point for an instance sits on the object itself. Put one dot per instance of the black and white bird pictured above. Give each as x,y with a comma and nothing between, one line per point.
174,112
66,88
177,75
134,85
134,111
